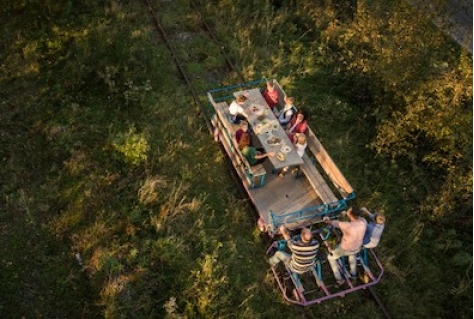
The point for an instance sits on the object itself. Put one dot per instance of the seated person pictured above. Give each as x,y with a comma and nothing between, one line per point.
237,111
244,127
300,143
271,95
298,124
303,251
286,114
253,155
374,229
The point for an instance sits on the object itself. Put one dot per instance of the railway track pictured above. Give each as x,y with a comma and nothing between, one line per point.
190,80
219,48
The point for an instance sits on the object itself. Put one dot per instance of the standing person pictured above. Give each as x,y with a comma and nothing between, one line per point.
303,251
374,230
286,114
237,111
271,95
253,155
351,242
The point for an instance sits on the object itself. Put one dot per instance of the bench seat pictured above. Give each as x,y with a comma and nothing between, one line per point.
255,175
317,181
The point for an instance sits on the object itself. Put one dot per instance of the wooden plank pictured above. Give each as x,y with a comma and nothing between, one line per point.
328,165
317,181
282,196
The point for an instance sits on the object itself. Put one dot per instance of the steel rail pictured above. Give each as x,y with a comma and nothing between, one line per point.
177,62
190,86
216,40
379,302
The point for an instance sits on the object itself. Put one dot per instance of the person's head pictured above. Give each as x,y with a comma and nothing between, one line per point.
302,115
270,86
241,99
379,219
301,139
306,235
353,213
244,140
244,126
289,100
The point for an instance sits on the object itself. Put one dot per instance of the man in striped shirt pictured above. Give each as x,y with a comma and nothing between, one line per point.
303,251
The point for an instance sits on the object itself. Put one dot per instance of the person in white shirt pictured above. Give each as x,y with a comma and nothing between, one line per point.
300,144
351,242
286,114
374,230
237,111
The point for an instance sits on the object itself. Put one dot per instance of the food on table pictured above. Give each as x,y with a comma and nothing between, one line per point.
281,157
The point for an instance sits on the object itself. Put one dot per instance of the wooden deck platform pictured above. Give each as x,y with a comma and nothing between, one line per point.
289,200
282,195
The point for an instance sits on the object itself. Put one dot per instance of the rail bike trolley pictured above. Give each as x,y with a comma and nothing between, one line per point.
312,188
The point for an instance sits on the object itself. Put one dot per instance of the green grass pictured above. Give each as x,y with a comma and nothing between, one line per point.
105,155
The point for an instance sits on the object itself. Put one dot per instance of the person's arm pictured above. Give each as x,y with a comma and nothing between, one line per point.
334,223
285,116
292,127
262,155
368,213
303,127
243,112
285,232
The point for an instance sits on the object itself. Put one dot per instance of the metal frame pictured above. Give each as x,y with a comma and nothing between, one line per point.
303,297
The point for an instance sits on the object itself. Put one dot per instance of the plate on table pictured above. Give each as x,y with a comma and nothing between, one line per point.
281,157
285,149
275,125
273,140
261,129
257,109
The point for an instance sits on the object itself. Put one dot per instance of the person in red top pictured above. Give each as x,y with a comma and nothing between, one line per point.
298,124
244,127
270,95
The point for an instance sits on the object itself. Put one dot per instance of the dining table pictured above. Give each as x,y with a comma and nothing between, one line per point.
268,130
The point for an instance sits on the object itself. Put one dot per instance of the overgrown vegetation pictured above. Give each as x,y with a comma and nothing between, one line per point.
412,98
116,202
